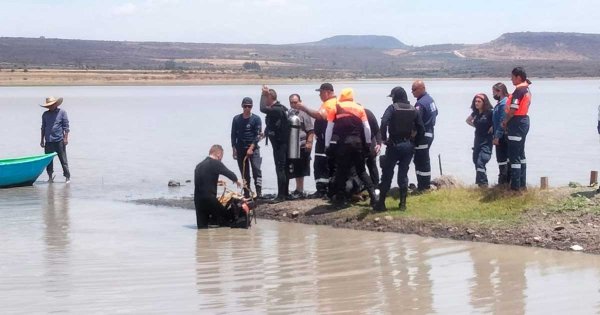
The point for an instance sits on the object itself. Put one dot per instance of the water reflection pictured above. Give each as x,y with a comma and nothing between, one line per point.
55,210
281,268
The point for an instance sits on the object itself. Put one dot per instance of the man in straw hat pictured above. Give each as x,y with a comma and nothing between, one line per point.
55,135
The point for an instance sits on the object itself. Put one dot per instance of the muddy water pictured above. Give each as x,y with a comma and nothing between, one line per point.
65,253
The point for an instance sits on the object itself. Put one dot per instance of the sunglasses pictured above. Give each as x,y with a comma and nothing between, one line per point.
247,106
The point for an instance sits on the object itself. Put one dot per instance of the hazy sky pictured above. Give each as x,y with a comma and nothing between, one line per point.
417,22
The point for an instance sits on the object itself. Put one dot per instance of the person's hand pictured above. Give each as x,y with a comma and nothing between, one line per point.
239,184
496,141
297,106
309,146
42,144
491,130
250,151
377,149
234,154
265,89
503,124
66,141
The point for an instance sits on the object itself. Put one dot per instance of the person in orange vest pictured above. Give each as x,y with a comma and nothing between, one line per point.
516,124
350,123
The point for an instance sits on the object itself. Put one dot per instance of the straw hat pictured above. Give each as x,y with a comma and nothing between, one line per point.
52,100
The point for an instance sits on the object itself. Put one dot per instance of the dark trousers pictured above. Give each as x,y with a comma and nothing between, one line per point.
517,129
422,162
61,151
347,155
280,157
321,167
502,159
373,169
210,210
399,154
252,162
482,153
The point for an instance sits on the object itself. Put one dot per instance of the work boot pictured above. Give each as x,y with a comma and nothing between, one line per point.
258,192
373,196
403,193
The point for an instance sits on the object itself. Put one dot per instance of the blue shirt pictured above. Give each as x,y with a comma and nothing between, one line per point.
426,106
498,117
55,124
245,131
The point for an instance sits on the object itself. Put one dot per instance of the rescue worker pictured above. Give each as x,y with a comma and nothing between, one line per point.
245,134
300,168
481,120
404,124
516,124
426,106
349,122
206,176
321,165
500,140
278,134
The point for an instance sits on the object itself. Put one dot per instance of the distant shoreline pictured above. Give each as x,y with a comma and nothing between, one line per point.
56,77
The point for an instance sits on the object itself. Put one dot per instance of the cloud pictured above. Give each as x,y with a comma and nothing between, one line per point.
125,9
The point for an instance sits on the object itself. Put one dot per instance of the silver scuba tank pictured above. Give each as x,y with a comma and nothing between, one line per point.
294,141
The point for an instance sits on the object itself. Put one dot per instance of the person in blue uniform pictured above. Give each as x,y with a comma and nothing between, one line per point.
429,111
481,120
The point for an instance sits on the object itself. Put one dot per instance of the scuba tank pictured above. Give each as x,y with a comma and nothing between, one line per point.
294,140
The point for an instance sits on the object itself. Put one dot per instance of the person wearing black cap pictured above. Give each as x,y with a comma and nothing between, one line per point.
404,124
245,133
278,130
323,165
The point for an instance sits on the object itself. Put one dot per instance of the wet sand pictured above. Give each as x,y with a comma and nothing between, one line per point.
558,230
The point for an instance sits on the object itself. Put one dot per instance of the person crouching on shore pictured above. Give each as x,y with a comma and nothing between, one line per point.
206,177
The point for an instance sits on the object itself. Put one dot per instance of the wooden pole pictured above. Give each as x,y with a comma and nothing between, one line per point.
544,183
593,178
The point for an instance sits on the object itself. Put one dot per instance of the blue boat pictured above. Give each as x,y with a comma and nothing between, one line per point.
23,171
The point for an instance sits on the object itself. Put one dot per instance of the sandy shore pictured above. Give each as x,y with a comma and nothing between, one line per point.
553,229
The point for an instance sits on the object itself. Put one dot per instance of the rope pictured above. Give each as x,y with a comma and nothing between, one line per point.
245,185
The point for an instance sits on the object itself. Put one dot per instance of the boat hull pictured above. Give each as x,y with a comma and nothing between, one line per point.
23,171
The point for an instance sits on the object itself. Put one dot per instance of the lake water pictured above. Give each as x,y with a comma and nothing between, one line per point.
80,248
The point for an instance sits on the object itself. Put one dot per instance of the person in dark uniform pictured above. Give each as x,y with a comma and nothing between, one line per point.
245,133
349,122
516,124
500,140
426,106
481,120
322,163
278,132
206,177
404,124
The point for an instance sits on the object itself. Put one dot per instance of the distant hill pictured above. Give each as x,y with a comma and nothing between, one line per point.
362,41
539,46
338,57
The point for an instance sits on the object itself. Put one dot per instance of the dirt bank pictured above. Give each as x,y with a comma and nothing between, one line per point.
570,217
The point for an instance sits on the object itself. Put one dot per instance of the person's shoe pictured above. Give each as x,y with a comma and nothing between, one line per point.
402,204
298,194
67,180
317,195
277,199
380,206
51,178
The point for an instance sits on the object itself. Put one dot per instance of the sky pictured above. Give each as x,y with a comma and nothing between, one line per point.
417,22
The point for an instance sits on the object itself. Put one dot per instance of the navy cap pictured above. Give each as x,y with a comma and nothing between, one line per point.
325,87
247,101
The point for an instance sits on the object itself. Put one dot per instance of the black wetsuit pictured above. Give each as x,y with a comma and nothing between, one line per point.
207,206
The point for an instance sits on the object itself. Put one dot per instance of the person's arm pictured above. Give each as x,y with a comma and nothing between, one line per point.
499,133
419,126
315,114
309,128
43,132
223,170
329,133
65,125
385,121
310,136
470,120
366,126
234,138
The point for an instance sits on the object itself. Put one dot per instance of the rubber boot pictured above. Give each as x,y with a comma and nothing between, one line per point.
380,204
403,194
258,192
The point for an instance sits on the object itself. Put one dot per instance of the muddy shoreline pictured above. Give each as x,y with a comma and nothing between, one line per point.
559,230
